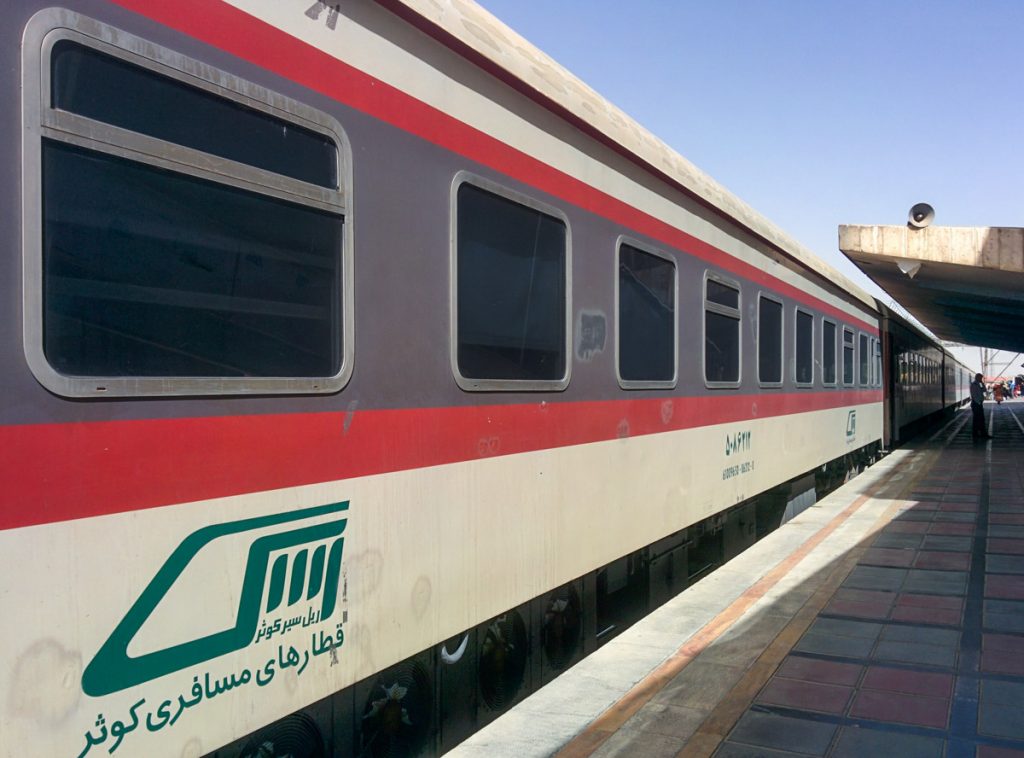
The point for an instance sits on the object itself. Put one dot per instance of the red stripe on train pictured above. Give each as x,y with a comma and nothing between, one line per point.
247,37
58,472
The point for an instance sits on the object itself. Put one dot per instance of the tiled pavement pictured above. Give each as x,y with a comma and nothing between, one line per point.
898,632
920,650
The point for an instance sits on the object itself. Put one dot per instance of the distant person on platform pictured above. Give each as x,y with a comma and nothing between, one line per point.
977,398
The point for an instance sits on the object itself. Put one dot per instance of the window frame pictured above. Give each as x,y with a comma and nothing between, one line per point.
876,360
835,354
471,384
863,362
853,360
762,295
721,310
796,320
40,120
641,384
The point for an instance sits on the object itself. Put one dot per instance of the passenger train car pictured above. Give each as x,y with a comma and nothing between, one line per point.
364,370
921,378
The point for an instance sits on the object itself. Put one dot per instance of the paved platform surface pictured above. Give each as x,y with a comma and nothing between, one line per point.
887,620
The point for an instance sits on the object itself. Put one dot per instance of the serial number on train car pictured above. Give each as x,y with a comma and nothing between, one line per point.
740,468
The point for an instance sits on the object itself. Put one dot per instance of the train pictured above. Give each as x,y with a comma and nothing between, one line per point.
366,370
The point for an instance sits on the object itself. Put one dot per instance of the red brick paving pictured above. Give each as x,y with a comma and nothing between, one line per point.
1002,662
944,602
1006,518
904,709
860,610
813,696
991,751
1004,587
909,682
1010,643
887,556
938,559
906,527
959,507
825,672
1012,547
865,596
944,527
927,615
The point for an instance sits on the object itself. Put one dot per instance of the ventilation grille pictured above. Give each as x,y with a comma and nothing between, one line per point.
294,736
561,626
503,657
397,713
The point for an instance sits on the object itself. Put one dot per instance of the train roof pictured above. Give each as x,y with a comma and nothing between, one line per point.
490,42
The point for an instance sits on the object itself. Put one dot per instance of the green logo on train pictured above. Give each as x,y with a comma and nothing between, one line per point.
313,577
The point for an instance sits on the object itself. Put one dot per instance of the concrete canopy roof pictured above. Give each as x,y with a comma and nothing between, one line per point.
966,284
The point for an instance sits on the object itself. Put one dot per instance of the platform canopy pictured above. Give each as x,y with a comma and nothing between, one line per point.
966,284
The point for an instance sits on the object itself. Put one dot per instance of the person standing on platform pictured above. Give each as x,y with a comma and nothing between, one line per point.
977,398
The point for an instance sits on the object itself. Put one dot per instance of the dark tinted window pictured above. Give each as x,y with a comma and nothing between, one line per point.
723,294
721,333
647,316
769,341
848,356
153,273
828,352
511,265
721,348
108,89
804,348
865,359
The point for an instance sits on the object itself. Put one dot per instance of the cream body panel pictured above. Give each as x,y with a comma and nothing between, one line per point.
427,553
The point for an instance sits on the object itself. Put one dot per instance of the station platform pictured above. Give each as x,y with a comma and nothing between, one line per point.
887,619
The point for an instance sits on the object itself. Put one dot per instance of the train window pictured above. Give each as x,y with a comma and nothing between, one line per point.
721,332
804,348
106,88
721,293
769,342
878,362
510,270
828,352
192,231
865,360
848,356
647,327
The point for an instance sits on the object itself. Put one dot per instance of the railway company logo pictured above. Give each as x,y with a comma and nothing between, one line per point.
309,539
851,425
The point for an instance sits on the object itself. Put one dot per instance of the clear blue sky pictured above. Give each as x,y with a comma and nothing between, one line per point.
815,112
